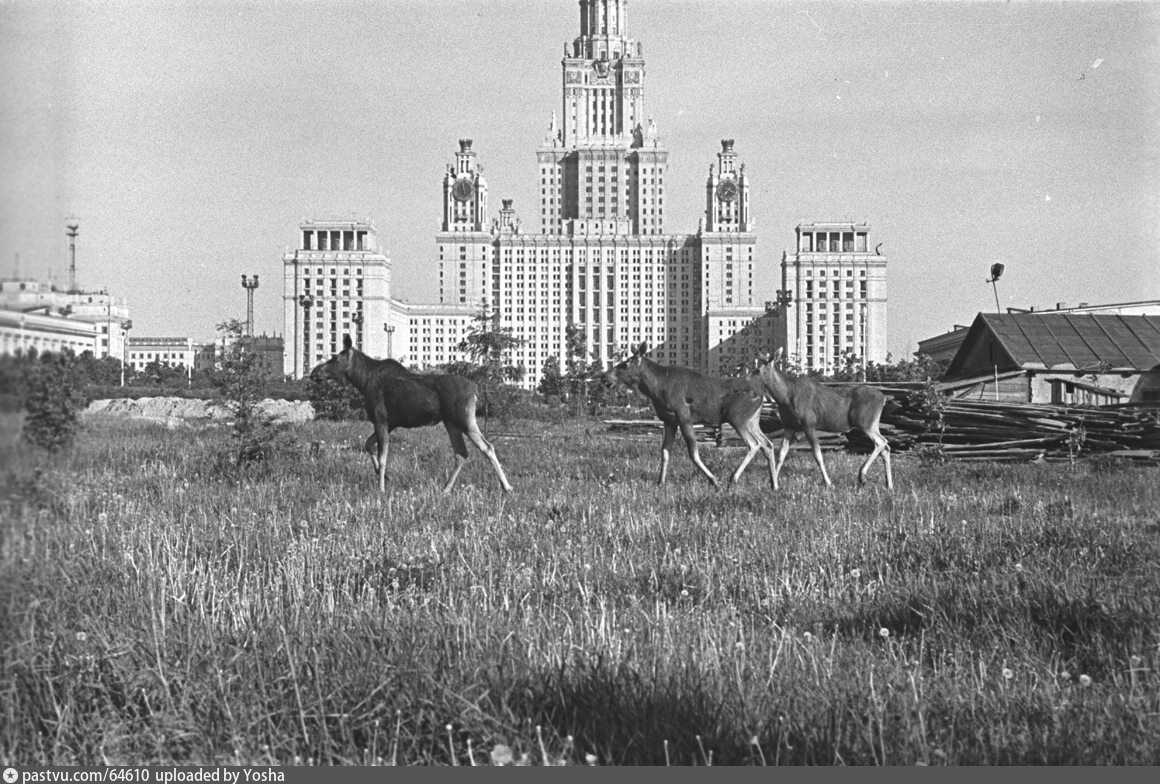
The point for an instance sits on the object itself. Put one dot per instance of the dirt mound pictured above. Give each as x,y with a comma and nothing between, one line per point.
173,411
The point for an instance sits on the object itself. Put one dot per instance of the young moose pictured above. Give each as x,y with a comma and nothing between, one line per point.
682,398
806,407
396,397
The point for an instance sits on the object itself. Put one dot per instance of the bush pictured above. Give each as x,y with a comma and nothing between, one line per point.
335,400
52,402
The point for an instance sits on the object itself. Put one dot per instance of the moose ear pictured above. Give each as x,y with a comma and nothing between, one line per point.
641,350
346,342
778,354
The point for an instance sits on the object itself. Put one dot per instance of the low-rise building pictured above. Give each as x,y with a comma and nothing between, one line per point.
1065,358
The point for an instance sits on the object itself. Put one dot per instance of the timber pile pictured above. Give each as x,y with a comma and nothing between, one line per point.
973,430
980,430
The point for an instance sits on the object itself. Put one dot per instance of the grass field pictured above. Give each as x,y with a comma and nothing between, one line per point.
158,609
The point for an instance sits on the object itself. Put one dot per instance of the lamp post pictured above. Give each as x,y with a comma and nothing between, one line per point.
357,319
306,301
390,330
996,270
249,284
126,325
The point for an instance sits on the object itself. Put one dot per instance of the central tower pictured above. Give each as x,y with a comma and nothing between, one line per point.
601,165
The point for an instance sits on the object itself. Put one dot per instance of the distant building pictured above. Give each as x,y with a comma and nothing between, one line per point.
59,318
21,332
1068,358
176,352
602,262
832,300
270,351
335,282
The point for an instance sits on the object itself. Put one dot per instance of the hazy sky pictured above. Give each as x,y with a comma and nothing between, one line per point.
189,139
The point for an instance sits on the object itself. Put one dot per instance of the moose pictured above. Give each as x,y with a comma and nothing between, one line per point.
396,397
806,407
682,397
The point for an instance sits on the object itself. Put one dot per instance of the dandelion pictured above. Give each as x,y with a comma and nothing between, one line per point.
684,592
590,759
1007,674
884,633
1065,675
501,755
1018,567
102,518
855,573
1085,680
81,636
808,636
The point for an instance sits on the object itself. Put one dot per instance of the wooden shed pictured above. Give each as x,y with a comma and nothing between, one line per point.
1068,358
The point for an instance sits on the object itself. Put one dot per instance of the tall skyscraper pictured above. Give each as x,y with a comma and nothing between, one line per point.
602,264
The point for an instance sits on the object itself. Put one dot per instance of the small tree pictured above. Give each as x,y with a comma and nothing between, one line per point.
242,384
487,345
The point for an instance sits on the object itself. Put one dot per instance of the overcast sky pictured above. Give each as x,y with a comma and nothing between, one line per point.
190,139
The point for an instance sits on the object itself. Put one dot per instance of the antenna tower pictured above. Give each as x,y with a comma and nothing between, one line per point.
73,229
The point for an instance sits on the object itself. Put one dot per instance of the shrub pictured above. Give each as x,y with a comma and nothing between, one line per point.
242,384
52,402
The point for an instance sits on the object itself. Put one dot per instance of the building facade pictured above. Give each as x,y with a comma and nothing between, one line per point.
603,261
335,282
832,301
54,319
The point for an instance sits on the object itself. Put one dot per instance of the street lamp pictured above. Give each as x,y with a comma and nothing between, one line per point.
357,319
249,284
126,325
390,330
306,301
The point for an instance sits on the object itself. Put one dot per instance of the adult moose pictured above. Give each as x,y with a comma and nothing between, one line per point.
806,407
395,397
683,397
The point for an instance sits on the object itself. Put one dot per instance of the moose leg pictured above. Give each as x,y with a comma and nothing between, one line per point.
751,434
461,456
382,434
812,437
485,446
786,442
881,447
690,437
666,445
372,448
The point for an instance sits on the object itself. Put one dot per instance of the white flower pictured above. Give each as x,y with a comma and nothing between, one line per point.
855,573
1007,674
884,633
1085,680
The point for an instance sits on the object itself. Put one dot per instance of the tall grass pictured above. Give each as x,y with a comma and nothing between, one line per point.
159,609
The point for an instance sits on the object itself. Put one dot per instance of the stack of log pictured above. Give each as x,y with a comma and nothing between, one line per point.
969,430
981,430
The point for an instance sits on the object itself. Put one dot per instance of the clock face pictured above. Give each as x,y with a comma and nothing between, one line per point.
462,190
727,190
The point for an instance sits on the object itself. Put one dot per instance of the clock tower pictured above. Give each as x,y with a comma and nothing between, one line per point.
727,193
465,241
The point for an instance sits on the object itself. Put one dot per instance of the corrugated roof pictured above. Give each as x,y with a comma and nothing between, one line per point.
1078,341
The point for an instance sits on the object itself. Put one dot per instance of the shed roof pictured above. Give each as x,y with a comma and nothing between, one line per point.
1070,341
